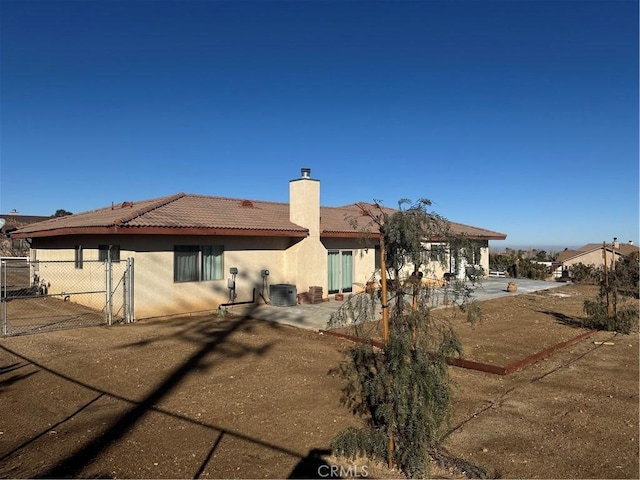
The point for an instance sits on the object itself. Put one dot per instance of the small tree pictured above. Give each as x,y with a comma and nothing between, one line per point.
62,213
627,275
587,274
611,310
402,390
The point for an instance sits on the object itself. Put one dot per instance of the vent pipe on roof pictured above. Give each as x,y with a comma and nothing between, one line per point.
305,172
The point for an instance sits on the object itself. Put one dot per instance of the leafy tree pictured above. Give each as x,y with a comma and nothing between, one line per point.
401,391
627,275
528,268
541,256
499,262
587,274
62,213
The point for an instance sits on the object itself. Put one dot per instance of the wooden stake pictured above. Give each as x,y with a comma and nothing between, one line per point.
414,304
606,278
383,299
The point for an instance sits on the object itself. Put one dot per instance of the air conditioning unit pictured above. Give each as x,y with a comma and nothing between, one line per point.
283,295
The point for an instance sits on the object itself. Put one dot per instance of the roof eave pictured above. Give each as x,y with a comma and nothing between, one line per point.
356,234
338,234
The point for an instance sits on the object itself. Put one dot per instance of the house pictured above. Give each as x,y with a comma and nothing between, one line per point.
9,223
593,254
195,252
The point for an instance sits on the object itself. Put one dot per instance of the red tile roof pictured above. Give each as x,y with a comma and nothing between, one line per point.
14,221
339,222
200,214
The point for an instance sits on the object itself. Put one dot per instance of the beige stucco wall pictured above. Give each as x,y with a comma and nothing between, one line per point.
594,257
306,265
306,261
156,294
299,262
56,269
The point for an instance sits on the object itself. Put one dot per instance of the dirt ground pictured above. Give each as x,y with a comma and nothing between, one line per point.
207,397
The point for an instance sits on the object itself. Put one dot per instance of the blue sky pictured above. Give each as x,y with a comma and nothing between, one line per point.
519,116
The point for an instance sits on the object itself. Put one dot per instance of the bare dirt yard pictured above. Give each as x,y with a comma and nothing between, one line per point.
209,397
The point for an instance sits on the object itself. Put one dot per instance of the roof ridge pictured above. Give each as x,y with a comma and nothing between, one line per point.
161,202
219,197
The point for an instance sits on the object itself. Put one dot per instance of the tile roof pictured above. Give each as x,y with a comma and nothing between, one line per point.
340,219
179,213
628,249
13,221
567,254
201,214
623,249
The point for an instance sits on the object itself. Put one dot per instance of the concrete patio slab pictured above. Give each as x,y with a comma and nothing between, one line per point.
316,316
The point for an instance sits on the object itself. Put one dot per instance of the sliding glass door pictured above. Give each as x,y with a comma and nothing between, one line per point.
340,268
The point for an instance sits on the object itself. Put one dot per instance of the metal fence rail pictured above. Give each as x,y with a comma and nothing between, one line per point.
51,295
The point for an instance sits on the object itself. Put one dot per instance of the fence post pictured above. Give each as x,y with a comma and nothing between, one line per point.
3,293
108,288
127,288
125,292
130,303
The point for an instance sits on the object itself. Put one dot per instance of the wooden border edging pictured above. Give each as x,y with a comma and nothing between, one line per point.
482,367
519,364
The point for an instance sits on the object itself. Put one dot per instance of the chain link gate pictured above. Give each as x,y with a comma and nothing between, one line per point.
49,295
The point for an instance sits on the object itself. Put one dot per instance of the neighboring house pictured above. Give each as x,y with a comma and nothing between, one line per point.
10,222
592,254
185,247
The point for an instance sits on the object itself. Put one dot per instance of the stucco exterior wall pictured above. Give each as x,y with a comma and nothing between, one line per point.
306,265
156,293
306,260
594,257
53,261
300,262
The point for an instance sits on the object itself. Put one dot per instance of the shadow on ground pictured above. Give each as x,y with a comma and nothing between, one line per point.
208,337
564,319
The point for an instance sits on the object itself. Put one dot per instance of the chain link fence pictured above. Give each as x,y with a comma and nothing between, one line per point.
41,296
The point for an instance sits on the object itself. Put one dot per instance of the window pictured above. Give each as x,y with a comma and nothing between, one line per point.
437,253
19,244
195,263
78,256
103,252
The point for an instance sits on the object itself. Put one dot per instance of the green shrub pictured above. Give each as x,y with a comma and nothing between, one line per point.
587,274
627,275
612,310
623,320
